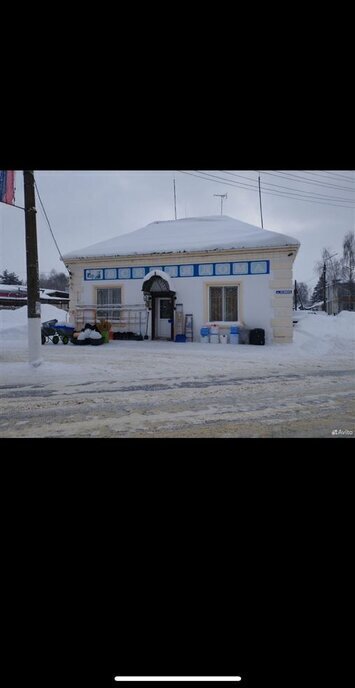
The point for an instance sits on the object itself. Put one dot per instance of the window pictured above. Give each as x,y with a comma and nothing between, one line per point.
107,301
223,304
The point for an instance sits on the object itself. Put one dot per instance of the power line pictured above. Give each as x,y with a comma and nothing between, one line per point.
249,187
311,194
305,180
339,175
291,189
321,174
282,194
292,177
49,224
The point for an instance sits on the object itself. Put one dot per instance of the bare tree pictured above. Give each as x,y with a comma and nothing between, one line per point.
348,260
302,291
55,280
333,266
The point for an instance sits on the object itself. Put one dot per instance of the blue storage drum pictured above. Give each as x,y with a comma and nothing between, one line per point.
234,334
204,335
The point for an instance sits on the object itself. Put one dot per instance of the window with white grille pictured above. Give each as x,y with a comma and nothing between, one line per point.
107,301
223,304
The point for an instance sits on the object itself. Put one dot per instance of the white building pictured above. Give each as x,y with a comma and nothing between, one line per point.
217,269
340,297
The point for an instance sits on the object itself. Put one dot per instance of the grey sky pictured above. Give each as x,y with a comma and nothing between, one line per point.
86,207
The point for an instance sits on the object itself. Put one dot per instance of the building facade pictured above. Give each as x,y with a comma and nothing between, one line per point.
214,270
340,297
15,296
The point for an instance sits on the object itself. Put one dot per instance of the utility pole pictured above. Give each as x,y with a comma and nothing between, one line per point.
33,299
222,196
324,287
325,280
261,210
175,199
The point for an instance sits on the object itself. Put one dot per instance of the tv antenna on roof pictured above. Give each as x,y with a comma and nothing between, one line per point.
222,196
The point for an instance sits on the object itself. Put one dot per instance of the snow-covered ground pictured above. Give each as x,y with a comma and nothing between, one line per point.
166,389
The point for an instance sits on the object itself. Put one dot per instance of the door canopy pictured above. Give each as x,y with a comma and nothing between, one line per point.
157,282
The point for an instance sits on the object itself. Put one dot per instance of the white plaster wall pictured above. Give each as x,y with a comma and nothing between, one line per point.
256,292
254,297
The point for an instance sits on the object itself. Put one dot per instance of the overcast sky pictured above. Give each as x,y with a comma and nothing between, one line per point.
85,207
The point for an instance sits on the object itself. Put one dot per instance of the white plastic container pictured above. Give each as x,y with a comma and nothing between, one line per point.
204,339
214,338
214,329
223,338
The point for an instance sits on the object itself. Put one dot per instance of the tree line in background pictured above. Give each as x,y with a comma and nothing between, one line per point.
54,280
341,270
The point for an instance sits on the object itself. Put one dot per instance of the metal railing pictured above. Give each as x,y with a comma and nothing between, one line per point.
130,318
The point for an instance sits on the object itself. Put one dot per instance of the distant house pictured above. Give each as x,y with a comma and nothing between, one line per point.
195,270
340,297
14,296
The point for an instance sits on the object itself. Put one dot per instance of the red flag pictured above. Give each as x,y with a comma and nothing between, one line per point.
7,186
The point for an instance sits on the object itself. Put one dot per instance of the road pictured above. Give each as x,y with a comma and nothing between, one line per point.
263,404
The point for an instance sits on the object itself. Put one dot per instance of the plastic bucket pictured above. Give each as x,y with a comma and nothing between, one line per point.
234,338
204,339
204,331
214,339
234,329
223,339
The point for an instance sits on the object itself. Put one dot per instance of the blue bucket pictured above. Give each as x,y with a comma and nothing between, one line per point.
204,331
234,329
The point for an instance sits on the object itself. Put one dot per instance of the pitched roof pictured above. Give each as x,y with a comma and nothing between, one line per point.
189,234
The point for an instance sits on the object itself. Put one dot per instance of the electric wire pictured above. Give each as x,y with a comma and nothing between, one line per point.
298,192
46,216
292,189
305,180
282,194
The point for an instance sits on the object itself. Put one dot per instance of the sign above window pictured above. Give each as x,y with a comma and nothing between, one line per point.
246,267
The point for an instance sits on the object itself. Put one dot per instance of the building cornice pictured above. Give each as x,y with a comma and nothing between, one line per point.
172,257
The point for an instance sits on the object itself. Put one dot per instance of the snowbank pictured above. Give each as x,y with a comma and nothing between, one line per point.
317,338
14,323
320,333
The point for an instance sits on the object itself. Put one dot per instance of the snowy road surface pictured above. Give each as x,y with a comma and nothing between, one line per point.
165,389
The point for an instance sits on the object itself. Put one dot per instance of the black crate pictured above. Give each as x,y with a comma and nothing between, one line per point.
257,336
244,334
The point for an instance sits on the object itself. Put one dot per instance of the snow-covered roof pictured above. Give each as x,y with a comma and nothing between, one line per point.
189,234
13,287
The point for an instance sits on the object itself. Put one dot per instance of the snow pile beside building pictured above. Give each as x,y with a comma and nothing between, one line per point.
320,333
13,324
